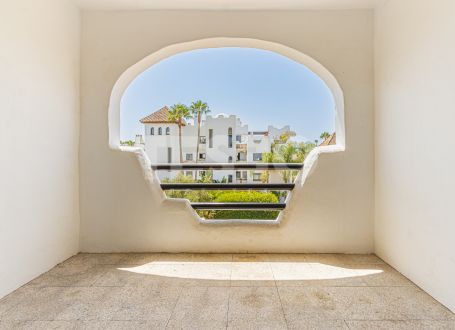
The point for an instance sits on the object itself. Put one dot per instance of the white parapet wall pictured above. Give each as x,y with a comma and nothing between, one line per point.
120,211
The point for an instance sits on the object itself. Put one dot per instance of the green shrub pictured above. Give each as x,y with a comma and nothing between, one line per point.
246,197
241,214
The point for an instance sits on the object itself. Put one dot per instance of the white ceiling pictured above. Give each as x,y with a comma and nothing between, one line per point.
226,4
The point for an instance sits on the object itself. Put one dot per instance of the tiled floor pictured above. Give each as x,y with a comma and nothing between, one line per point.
193,291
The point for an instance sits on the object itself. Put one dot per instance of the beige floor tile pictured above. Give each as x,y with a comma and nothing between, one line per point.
38,325
410,302
201,308
401,325
255,308
138,258
139,304
57,303
67,274
252,274
250,257
306,303
315,324
313,274
119,325
384,276
96,258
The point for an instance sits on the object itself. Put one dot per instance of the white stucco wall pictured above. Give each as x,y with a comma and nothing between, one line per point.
120,212
414,161
39,131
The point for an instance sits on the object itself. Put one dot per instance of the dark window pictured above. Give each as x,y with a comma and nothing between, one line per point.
238,138
160,131
189,156
169,153
202,140
257,157
230,178
168,131
210,138
202,156
229,137
152,131
230,159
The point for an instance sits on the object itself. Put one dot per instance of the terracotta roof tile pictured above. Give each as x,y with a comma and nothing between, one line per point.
160,116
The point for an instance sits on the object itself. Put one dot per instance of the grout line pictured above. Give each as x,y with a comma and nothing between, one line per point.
279,296
174,307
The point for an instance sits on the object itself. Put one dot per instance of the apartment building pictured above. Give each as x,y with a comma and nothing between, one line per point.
223,139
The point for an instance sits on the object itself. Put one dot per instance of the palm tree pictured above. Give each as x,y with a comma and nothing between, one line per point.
199,108
178,113
324,136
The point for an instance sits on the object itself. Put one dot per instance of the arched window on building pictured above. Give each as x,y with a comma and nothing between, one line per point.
230,137
152,131
230,159
168,131
160,131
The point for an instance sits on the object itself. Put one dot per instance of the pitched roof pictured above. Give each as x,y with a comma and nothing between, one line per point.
332,139
159,117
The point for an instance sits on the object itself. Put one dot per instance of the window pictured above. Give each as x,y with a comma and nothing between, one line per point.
189,157
168,131
160,131
152,131
230,178
202,156
201,174
230,137
169,152
241,156
230,159
210,138
202,140
189,173
241,175
256,176
257,156
238,138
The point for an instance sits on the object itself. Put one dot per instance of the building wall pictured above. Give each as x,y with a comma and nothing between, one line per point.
414,162
121,212
39,131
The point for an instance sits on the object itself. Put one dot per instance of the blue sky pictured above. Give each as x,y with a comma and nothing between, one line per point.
261,87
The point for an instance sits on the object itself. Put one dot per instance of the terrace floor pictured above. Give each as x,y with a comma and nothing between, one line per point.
222,291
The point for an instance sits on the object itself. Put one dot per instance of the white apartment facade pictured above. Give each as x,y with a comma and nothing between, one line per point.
223,139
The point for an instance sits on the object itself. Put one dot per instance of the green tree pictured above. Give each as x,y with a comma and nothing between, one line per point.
324,136
178,113
267,157
199,108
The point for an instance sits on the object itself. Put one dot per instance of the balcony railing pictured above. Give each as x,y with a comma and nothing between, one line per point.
231,186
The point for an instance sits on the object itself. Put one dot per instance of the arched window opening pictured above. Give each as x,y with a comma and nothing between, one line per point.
152,131
269,127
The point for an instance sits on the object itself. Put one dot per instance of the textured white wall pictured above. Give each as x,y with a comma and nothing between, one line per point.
39,130
414,160
118,210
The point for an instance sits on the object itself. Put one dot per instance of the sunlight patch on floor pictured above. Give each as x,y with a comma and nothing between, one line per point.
249,270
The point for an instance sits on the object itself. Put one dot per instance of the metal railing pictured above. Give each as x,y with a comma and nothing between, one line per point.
230,186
